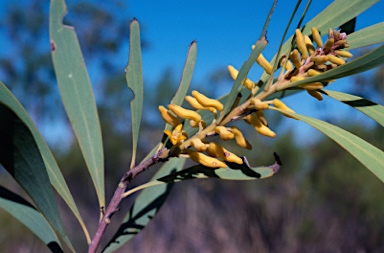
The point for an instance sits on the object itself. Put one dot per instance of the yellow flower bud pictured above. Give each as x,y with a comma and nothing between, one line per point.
216,150
341,43
198,145
336,60
313,86
313,72
193,102
260,127
279,104
207,102
329,44
264,64
309,45
205,160
301,44
320,59
260,116
295,58
315,94
168,117
184,113
240,140
224,133
296,78
193,123
258,104
343,53
234,72
316,37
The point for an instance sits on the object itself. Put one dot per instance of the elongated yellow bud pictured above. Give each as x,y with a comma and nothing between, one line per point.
343,53
329,44
315,94
240,140
205,160
260,127
297,78
261,117
258,104
184,113
168,117
313,86
234,72
342,43
193,102
336,60
194,124
216,150
224,133
316,37
301,44
295,58
207,102
279,104
313,72
320,59
264,64
198,145
309,45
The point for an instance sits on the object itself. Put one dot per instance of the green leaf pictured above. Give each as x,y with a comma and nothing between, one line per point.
369,108
367,154
368,36
20,156
77,95
23,211
134,77
55,176
145,207
366,62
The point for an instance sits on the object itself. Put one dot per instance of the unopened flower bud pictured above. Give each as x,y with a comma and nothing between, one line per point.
258,104
264,64
184,113
224,133
315,94
329,44
234,72
168,117
313,72
279,104
216,150
301,44
295,58
343,53
240,140
207,102
198,145
336,60
205,160
316,37
309,45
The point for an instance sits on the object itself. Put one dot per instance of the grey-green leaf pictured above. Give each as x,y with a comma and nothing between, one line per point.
134,77
30,217
369,108
368,36
77,95
20,156
145,207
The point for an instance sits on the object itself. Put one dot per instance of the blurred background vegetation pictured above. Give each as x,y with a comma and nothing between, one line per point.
322,200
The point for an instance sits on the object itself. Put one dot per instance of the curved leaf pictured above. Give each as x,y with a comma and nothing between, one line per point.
20,156
144,208
134,77
369,108
55,176
363,63
23,211
77,95
368,36
367,154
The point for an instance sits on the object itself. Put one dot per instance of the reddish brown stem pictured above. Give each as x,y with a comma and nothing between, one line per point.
117,196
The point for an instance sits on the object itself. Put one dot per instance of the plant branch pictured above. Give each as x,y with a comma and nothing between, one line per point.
160,156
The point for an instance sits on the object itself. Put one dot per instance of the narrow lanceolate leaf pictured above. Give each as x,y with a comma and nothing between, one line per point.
146,205
77,95
24,212
336,14
134,77
20,156
55,176
366,62
367,154
369,108
368,36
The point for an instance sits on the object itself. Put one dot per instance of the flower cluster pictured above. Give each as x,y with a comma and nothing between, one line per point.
303,62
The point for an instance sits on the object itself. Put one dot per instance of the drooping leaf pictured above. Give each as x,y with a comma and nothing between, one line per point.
144,208
134,77
20,156
369,108
363,63
55,176
367,154
24,212
76,92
